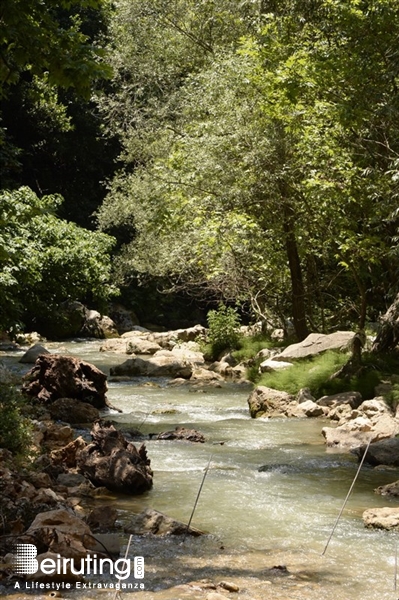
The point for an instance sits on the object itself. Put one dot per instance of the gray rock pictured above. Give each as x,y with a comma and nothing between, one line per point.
385,452
70,479
33,353
307,409
152,521
305,394
316,343
139,345
345,437
156,366
354,399
391,489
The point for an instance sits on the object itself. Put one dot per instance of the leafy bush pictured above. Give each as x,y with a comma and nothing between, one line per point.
15,429
224,332
45,260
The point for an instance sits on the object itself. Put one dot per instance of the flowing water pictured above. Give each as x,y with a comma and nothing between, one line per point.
281,516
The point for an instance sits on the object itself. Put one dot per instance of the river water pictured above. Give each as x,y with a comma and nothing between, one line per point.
256,520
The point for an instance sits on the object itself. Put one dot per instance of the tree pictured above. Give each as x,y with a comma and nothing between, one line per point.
46,261
48,39
275,165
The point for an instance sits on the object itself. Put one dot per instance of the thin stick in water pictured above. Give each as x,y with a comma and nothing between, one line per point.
395,578
197,498
117,593
347,497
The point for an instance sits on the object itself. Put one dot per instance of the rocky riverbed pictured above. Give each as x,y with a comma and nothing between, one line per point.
212,560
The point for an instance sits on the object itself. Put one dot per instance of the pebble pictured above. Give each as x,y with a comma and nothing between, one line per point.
230,587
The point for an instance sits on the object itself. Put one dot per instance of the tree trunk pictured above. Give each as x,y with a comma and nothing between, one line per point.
298,289
388,337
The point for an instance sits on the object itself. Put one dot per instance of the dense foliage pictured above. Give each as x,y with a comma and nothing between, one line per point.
256,144
45,260
262,167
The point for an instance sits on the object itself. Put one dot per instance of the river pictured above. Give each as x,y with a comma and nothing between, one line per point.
256,520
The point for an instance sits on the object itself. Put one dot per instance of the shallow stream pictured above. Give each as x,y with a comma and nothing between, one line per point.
256,520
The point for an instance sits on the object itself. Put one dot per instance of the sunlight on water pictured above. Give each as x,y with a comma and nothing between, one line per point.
271,496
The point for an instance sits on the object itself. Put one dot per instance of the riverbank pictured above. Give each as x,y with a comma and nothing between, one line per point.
276,518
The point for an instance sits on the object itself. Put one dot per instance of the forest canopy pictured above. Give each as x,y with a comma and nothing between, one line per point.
243,151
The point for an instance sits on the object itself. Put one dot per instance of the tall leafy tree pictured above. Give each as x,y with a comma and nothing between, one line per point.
278,163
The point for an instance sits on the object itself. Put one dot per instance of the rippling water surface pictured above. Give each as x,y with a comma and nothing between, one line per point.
280,515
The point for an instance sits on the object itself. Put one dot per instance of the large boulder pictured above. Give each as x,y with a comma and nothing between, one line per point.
314,344
308,408
385,452
140,345
61,532
264,401
155,366
347,437
123,318
372,420
381,518
65,323
353,399
113,462
56,376
98,326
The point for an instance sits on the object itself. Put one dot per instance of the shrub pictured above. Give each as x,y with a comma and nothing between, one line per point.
15,429
224,332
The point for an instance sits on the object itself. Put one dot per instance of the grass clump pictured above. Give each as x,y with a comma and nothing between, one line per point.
317,375
249,346
312,373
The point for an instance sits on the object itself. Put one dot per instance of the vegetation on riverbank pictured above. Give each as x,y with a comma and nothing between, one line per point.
236,151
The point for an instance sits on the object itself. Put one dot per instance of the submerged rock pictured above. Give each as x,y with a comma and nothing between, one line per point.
181,433
152,521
